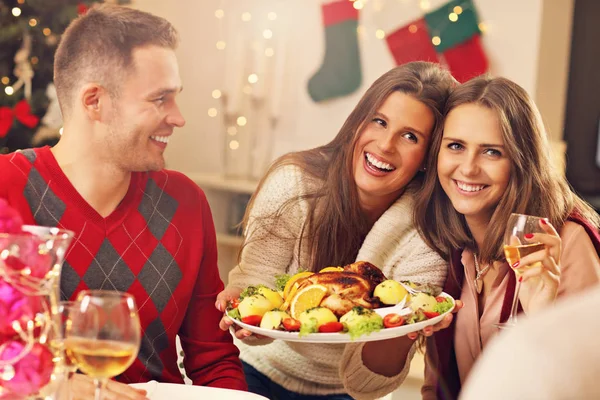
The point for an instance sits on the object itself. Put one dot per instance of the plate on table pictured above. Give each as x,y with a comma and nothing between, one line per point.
170,391
340,337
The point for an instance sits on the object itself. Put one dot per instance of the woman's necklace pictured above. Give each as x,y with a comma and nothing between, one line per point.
478,281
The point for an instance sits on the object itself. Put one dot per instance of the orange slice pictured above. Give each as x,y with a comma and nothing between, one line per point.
332,269
307,298
292,280
291,294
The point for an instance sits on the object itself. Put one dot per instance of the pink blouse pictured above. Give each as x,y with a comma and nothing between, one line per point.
580,268
472,332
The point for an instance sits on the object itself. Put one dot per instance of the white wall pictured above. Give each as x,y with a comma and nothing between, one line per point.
511,43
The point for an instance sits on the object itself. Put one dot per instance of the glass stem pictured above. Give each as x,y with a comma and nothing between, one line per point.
100,385
512,320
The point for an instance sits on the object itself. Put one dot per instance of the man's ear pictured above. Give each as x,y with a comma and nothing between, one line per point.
93,98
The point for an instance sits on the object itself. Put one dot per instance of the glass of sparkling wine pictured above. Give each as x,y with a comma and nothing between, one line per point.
516,246
110,349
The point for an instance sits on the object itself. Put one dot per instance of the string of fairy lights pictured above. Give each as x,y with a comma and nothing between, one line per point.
268,34
425,6
250,80
33,23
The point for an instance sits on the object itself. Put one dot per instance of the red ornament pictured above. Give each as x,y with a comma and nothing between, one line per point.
22,112
81,8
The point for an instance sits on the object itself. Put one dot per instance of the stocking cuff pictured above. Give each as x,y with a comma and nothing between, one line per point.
338,11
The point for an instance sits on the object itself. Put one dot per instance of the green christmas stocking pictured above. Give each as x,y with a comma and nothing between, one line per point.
340,73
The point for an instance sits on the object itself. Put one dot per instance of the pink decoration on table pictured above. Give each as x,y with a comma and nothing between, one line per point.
31,372
10,220
28,294
15,306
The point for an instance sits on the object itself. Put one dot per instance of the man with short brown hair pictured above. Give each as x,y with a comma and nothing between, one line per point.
139,228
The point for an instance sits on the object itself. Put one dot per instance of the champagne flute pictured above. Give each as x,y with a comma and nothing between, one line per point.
110,349
516,246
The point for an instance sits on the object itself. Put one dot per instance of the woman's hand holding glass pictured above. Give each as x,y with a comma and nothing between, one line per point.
540,270
533,248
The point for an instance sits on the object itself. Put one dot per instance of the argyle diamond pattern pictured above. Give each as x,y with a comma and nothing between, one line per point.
160,276
46,207
69,280
137,254
158,216
29,155
153,342
108,270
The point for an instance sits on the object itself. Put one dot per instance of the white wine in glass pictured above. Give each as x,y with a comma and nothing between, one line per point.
517,246
514,253
102,358
113,347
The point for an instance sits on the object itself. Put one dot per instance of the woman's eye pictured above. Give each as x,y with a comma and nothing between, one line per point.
380,122
455,146
160,99
493,152
411,136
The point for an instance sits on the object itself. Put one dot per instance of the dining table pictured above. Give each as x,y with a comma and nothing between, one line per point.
171,391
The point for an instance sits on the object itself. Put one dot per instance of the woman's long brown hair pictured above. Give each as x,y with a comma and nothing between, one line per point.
536,186
336,225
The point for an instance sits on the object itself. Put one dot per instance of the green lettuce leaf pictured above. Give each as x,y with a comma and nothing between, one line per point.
443,306
250,291
365,327
235,314
309,327
281,280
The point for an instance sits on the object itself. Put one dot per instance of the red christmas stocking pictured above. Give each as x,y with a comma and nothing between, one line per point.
340,74
467,60
411,43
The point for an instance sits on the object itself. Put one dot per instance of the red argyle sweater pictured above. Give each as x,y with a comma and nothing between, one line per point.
159,245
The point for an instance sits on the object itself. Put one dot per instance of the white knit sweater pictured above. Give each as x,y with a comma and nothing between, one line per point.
393,245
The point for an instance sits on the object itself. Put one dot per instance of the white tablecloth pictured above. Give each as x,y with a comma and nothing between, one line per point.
171,391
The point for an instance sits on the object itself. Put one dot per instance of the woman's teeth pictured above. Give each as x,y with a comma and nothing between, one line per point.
378,164
162,139
469,188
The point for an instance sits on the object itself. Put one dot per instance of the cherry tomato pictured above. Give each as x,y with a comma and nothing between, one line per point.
291,324
234,303
440,299
431,314
331,327
393,320
252,320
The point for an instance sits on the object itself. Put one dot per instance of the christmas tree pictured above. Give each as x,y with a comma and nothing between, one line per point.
29,33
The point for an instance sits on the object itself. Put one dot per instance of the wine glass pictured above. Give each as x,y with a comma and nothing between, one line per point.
110,349
67,311
516,246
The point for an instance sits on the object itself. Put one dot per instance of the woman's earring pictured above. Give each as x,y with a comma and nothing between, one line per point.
423,169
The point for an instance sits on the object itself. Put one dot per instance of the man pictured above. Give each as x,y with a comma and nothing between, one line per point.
139,228
550,355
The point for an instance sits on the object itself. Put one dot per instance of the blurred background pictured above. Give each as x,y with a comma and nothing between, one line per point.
265,77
